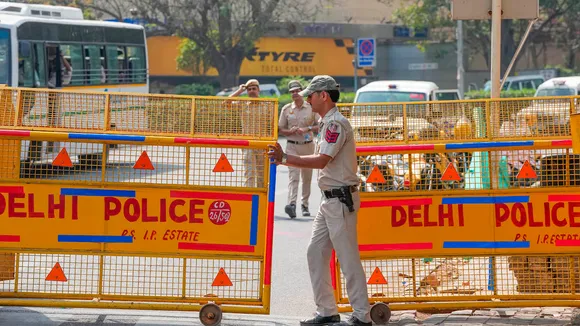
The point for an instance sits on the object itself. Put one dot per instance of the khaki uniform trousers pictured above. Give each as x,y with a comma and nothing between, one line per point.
294,174
254,168
336,227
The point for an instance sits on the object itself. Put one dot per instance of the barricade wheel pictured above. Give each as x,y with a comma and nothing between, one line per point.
210,314
380,313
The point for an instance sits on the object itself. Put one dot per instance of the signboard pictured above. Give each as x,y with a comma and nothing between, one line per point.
131,221
366,54
424,66
271,56
481,9
459,225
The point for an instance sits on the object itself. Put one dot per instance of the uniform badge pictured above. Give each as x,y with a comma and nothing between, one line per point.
331,135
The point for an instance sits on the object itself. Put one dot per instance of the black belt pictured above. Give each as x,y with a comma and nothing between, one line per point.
300,142
335,193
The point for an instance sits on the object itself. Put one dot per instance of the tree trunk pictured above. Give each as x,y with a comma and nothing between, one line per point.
571,58
229,70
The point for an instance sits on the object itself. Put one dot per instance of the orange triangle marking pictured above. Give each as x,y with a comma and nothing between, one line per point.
527,172
222,279
143,163
62,159
56,274
223,165
377,277
376,176
450,174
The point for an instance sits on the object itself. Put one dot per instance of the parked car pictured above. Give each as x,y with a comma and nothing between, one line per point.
518,83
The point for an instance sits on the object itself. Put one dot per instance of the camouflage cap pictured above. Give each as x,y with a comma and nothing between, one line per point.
294,85
320,83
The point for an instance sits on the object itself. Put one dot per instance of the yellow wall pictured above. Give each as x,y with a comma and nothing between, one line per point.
274,56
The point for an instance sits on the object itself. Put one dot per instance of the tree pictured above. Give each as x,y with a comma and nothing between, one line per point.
435,15
219,33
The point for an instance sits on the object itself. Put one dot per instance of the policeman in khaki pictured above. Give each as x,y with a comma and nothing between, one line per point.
335,225
298,123
251,117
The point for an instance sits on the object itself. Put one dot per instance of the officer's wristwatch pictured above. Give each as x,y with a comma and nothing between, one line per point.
284,158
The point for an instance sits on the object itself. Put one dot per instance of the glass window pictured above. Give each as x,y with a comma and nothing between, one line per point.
5,56
136,63
115,63
74,55
40,63
93,64
447,96
538,82
527,84
558,91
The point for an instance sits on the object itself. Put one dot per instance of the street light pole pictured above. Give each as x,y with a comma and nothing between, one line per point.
496,18
495,48
460,67
355,64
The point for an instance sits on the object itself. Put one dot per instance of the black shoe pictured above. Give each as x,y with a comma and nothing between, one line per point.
353,321
290,210
320,321
305,211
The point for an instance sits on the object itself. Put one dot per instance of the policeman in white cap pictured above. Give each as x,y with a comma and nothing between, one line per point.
335,225
299,124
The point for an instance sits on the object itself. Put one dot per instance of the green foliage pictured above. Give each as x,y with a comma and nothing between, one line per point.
563,71
436,16
480,94
195,89
282,84
192,57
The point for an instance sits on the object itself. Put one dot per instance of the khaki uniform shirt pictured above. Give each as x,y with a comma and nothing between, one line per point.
256,117
293,116
336,139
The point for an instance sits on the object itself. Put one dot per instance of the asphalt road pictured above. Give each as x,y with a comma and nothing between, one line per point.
291,290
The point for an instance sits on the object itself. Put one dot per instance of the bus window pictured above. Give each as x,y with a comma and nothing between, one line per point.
136,60
113,68
73,54
26,69
93,64
40,64
4,56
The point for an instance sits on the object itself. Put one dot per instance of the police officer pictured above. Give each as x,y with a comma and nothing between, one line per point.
335,225
298,123
251,123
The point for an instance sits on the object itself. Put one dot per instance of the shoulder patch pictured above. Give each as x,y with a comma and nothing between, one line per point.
332,133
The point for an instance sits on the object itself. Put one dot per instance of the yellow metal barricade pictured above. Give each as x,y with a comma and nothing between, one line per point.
136,201
576,131
467,204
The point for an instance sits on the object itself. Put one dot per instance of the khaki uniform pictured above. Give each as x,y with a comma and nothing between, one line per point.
334,226
293,116
253,115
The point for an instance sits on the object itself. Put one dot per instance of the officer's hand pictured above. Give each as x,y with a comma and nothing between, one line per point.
293,130
301,131
275,153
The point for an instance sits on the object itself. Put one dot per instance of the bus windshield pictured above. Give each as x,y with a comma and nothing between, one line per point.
4,56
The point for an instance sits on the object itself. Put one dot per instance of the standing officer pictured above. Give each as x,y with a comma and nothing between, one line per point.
251,123
335,225
298,123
